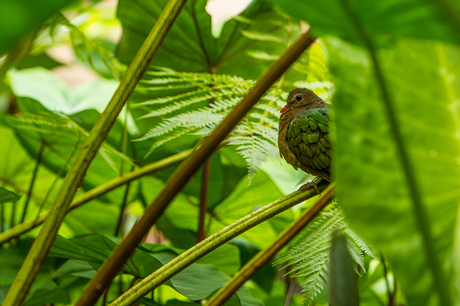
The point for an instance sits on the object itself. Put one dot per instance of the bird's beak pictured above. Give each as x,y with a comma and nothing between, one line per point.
284,108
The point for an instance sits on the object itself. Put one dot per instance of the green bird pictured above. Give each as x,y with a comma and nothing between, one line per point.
303,137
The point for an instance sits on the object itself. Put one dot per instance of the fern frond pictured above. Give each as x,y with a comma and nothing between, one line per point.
260,36
167,87
243,19
308,259
106,156
360,243
162,129
165,140
266,120
183,113
262,55
176,106
179,97
275,112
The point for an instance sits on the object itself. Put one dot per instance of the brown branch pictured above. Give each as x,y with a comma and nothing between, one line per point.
42,244
181,176
264,256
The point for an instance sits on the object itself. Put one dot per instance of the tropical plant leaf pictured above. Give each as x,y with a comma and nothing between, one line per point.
63,130
195,282
406,207
18,19
7,196
405,18
190,45
422,126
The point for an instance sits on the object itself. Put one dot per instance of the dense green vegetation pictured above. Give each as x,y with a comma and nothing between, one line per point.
391,71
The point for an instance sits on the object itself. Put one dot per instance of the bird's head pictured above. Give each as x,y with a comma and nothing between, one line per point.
300,97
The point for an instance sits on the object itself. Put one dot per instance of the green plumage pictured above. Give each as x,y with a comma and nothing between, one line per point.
308,138
303,137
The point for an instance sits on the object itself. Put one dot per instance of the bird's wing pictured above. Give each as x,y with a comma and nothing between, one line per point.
308,139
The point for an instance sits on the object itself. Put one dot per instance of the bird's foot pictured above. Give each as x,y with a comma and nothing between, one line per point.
311,184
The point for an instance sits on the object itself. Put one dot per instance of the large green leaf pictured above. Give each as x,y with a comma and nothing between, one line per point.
7,196
196,282
372,185
421,78
60,118
243,200
17,18
44,291
225,171
96,248
380,19
16,172
190,46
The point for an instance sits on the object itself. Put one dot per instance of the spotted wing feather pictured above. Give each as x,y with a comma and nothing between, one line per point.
308,139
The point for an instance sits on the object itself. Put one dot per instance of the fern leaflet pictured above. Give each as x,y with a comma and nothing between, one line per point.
309,258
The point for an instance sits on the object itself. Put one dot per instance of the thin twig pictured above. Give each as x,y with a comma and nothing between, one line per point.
290,291
201,235
122,208
32,180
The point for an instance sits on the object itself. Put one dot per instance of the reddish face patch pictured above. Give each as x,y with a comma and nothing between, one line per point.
284,108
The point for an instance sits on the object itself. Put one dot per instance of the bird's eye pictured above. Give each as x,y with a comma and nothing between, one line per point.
298,97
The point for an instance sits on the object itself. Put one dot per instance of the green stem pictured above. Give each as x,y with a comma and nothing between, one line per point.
32,181
57,177
211,243
122,209
181,176
421,215
95,193
264,256
42,244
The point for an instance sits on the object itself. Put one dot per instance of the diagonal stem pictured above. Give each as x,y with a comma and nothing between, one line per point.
264,256
95,193
211,243
181,176
42,244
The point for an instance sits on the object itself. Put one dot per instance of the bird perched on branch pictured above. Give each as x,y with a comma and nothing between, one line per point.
303,137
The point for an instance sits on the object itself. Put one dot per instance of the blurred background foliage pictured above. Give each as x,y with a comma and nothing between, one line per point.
58,70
